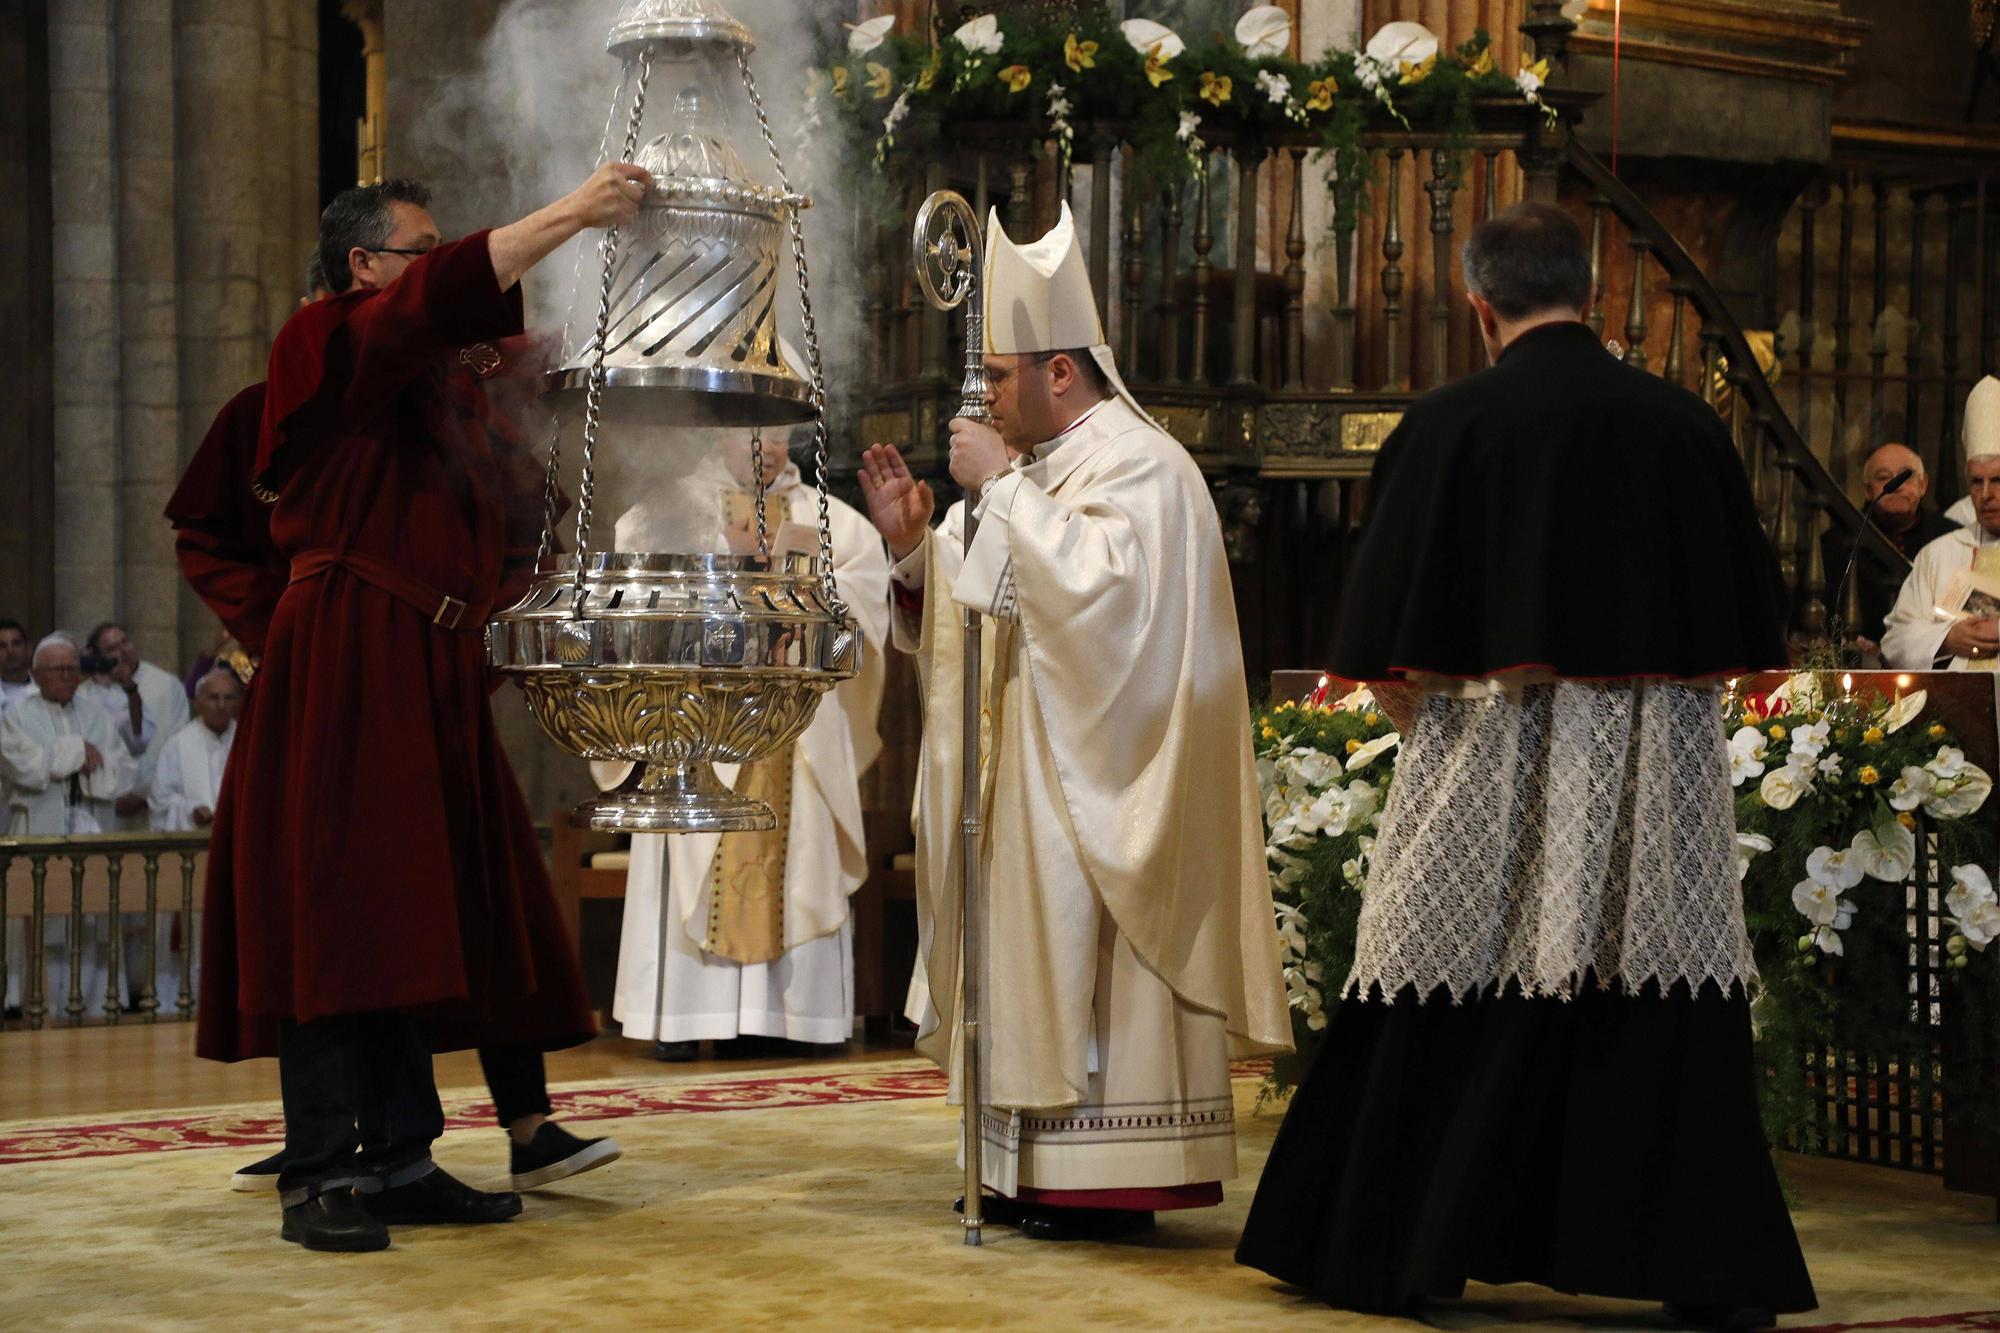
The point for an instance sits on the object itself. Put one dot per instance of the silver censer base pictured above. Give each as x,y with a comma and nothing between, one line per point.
674,663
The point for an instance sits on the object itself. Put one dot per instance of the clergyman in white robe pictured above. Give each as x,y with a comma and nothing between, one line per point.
188,780
805,993
163,707
49,795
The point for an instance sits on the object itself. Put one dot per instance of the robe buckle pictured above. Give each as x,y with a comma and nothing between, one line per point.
450,611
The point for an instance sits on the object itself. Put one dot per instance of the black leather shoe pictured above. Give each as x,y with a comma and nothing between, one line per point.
677,1052
335,1221
1040,1223
438,1198
259,1177
1720,1318
557,1154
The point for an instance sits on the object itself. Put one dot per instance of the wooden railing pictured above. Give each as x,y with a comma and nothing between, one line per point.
95,886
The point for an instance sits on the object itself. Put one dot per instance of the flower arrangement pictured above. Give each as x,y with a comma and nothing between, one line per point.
1845,803
1167,93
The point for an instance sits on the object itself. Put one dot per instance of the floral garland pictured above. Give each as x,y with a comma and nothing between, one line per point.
1829,789
1166,93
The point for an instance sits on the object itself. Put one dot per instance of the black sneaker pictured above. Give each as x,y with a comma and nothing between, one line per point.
334,1221
438,1198
556,1153
259,1177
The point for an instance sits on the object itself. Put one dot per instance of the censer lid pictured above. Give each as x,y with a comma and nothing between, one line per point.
676,27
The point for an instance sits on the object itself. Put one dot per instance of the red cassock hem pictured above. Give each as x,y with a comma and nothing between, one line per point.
1149,1199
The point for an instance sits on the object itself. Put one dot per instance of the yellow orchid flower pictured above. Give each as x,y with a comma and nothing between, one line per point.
927,76
840,80
1214,87
880,81
1420,71
1483,65
1017,78
1079,56
1157,72
1319,95
1540,69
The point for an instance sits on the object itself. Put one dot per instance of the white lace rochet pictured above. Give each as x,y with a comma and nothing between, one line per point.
1559,829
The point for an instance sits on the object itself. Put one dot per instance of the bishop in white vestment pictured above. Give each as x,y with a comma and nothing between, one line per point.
756,939
1130,947
1945,613
65,771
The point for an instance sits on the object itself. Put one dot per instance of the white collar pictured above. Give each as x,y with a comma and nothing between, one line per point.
1049,446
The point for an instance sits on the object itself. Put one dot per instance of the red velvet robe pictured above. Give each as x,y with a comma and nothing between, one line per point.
371,848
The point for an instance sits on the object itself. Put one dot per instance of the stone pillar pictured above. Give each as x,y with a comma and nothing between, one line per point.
88,540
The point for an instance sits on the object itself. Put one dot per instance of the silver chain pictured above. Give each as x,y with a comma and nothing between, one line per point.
757,468
593,400
552,476
814,371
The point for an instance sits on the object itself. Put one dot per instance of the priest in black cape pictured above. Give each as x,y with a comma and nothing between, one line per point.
1540,1069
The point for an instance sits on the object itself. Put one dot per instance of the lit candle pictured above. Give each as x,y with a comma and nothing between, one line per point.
1847,687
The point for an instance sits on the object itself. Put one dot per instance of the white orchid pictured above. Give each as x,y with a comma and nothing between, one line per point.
1276,86
1529,82
1291,929
1190,122
1749,846
1746,755
1888,853
1401,43
1980,924
1948,763
1828,766
1838,870
1912,789
1783,788
866,36
1152,40
982,35
1361,698
1970,887
1821,904
1265,31
1827,940
1372,750
1904,711
1809,740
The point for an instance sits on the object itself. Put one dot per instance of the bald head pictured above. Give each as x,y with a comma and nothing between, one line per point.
1898,511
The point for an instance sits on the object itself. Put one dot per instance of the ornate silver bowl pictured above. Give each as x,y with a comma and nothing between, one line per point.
673,663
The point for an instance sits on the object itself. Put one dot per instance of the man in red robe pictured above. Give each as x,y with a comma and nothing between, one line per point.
376,889
223,541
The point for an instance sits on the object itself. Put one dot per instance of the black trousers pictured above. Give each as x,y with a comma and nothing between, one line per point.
361,1104
518,1081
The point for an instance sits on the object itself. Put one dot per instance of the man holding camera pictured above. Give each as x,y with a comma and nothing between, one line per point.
145,703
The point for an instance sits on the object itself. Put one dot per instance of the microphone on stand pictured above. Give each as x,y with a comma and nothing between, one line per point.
1839,601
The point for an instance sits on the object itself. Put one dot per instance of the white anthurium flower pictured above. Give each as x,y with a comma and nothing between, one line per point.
1828,766
1152,39
1265,31
1373,750
1749,846
1783,788
1888,853
1980,924
981,35
1276,86
1821,904
1809,740
1838,870
1904,711
1948,764
1802,693
1912,789
1746,755
1402,42
866,36
1970,886
1961,796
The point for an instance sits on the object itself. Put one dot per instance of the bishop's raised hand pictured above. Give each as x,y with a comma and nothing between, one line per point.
899,505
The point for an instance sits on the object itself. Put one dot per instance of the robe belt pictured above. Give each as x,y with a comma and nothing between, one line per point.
446,612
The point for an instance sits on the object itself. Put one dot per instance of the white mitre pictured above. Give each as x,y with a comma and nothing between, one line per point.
1979,430
1038,299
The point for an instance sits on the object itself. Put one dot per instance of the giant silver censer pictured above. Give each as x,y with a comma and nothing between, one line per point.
672,661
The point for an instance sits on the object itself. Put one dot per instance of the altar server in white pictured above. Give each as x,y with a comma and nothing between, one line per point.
1130,941
758,940
66,769
185,786
1942,617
